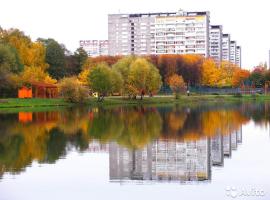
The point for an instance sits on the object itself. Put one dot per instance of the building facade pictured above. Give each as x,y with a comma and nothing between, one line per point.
159,33
233,52
95,47
226,40
238,60
215,51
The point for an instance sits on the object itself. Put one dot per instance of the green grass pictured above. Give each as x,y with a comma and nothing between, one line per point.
44,104
15,102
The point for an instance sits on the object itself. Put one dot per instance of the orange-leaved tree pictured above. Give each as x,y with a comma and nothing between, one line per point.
177,84
239,76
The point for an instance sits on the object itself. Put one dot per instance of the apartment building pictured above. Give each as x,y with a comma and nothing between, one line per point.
269,59
159,33
215,51
238,60
95,47
233,52
226,41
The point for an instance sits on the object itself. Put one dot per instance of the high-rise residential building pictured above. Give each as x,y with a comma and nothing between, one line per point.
226,41
269,60
95,47
130,33
159,33
238,60
233,52
215,51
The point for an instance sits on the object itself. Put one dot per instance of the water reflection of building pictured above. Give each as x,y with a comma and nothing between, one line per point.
234,140
172,160
239,136
162,160
227,145
97,147
217,153
38,117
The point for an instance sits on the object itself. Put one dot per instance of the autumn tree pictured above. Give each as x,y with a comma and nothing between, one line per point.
94,61
139,78
104,80
116,81
239,76
210,73
83,76
176,84
30,53
32,74
188,66
257,76
153,82
123,67
226,74
9,65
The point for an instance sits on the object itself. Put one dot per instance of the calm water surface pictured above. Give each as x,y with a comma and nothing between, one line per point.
172,152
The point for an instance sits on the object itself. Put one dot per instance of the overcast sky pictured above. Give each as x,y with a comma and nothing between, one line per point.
69,21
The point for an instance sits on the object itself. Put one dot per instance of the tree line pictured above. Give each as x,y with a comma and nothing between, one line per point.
23,61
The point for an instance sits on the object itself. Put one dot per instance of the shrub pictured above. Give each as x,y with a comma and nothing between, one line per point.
72,90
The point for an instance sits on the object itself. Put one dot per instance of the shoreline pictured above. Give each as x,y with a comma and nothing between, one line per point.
15,103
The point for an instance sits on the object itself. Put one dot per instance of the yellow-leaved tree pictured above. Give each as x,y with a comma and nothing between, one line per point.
210,73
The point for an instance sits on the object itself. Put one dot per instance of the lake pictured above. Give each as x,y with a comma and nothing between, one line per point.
207,151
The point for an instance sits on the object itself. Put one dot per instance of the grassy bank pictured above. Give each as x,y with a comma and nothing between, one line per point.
39,103
18,103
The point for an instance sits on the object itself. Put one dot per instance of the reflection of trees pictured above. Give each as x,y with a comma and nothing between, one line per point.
44,140
56,145
258,112
106,124
9,153
130,127
200,122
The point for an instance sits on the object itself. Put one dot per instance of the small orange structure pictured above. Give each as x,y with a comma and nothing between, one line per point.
39,90
25,92
44,90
